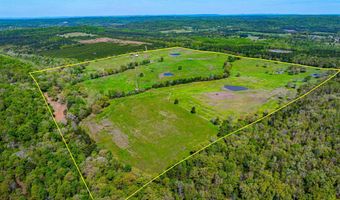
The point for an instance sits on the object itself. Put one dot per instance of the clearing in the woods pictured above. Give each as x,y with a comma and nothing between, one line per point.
168,103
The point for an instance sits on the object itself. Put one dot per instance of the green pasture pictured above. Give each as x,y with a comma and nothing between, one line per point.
188,64
150,132
158,132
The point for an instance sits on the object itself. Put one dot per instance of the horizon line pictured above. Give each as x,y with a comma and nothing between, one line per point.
164,15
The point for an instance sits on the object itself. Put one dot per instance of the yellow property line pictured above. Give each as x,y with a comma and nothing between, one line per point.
200,150
62,136
229,134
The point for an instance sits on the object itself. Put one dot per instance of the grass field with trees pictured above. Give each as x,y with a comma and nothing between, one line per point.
143,127
120,140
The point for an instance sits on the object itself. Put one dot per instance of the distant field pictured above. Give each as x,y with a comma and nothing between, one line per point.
92,51
150,132
188,64
76,34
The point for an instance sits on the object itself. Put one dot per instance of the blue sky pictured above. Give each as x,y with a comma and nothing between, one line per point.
54,8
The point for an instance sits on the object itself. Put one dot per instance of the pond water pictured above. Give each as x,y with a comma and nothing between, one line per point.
168,74
316,75
175,54
235,88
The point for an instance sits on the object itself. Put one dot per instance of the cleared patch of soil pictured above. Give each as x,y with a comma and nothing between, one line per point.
220,95
76,34
211,67
245,101
106,127
59,109
279,51
21,185
112,40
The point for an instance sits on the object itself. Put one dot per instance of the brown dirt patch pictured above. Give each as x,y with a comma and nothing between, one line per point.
76,34
211,67
112,40
59,109
242,101
21,185
220,95
106,127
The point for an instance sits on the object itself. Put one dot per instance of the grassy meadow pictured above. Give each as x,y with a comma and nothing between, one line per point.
188,64
150,132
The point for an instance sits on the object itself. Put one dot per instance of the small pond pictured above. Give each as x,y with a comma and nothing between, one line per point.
175,54
235,88
167,74
316,75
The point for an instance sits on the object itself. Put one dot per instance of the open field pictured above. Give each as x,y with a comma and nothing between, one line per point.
149,131
188,65
112,40
192,63
76,34
91,51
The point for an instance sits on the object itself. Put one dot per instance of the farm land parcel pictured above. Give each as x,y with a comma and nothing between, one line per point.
143,127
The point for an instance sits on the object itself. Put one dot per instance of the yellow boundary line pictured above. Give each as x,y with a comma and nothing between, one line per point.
62,136
229,134
196,152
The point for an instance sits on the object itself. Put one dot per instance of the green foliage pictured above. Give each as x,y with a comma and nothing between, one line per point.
216,121
34,161
260,162
193,110
291,155
91,51
293,70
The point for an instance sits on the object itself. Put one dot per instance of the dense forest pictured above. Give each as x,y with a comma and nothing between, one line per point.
312,40
293,154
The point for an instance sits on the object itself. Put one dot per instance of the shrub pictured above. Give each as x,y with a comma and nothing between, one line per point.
216,121
193,110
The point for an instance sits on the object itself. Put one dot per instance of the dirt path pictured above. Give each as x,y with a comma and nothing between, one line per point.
21,185
59,109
